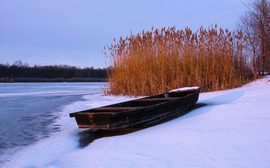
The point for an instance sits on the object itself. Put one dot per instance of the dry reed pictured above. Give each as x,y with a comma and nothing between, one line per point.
156,61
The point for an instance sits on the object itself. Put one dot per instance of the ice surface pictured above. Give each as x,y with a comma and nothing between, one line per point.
28,111
230,129
46,89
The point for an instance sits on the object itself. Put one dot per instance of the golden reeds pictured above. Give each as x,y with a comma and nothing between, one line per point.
156,61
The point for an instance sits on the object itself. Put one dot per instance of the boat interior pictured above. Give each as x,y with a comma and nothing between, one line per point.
139,103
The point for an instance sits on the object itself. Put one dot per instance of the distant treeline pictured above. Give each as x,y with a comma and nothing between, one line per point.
20,70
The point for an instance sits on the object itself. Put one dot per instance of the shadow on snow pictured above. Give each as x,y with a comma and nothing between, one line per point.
88,136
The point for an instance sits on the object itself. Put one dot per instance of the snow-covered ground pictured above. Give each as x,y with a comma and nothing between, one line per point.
232,129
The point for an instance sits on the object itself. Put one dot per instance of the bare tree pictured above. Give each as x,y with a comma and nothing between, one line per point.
255,23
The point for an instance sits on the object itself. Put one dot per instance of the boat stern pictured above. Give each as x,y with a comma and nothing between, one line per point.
93,120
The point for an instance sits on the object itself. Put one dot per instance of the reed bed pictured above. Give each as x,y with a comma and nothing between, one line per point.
157,61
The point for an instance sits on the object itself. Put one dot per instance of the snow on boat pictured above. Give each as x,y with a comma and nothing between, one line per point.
139,112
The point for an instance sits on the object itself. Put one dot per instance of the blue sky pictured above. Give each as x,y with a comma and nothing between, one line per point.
54,32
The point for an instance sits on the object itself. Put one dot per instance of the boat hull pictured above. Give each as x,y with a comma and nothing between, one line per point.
138,112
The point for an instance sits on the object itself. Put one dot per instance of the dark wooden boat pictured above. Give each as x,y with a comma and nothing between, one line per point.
139,112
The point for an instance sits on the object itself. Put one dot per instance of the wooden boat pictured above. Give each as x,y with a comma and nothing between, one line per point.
139,112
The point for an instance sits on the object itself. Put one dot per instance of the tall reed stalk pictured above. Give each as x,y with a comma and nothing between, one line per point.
157,61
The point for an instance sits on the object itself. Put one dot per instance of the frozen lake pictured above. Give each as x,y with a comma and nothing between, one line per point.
28,110
231,130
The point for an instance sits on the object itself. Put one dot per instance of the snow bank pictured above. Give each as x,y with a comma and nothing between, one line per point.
230,129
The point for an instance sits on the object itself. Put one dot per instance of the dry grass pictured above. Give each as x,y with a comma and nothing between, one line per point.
156,61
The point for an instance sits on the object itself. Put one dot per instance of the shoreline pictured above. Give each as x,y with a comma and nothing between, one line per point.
17,80
45,121
38,117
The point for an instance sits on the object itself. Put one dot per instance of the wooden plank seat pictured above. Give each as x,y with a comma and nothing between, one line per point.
114,108
132,108
155,99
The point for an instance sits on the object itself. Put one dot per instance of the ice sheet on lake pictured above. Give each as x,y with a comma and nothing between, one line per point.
232,130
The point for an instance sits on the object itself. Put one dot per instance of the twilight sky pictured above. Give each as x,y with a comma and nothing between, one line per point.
54,32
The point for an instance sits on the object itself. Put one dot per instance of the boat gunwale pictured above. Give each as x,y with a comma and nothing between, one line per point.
158,104
194,91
